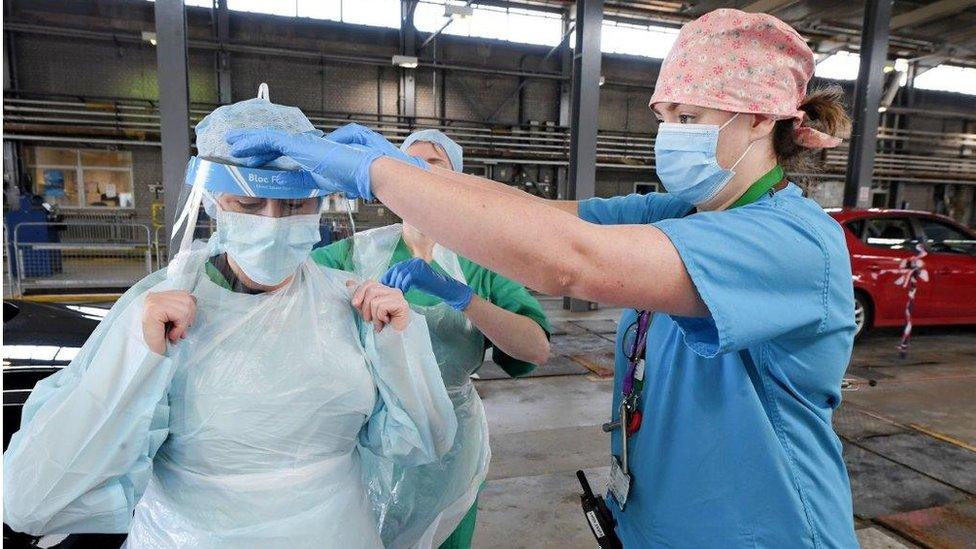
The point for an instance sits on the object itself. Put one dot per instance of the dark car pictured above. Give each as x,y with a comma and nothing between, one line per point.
879,240
38,340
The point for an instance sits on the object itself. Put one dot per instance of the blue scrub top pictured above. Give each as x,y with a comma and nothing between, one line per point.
736,449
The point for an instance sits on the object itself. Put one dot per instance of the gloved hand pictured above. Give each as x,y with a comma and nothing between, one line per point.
357,134
416,273
336,167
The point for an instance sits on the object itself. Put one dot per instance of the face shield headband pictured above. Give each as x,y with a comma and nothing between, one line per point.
205,176
223,178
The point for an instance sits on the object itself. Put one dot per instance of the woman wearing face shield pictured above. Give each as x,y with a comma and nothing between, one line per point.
739,324
467,308
226,401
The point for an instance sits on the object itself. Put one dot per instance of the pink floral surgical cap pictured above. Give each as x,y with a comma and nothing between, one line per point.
742,62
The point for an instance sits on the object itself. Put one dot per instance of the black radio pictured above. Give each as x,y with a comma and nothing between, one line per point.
598,516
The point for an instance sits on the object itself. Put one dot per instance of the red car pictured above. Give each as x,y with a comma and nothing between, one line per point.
878,241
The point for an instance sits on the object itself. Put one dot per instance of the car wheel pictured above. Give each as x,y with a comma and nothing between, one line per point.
862,315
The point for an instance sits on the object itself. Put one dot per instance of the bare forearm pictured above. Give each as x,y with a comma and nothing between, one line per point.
544,248
518,336
504,232
568,206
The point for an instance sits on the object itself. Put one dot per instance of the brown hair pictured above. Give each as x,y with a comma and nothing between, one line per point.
825,112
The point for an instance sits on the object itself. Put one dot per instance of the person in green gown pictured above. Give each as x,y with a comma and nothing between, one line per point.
468,309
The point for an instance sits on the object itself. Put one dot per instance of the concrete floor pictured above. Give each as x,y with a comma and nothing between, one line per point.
910,439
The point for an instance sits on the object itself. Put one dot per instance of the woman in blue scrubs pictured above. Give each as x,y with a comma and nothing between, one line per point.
738,287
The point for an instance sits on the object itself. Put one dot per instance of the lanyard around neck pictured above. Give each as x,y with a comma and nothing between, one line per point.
762,186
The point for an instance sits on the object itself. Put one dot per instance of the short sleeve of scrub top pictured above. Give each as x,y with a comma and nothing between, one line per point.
633,209
755,291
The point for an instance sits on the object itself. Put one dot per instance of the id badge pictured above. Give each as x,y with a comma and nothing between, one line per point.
639,370
619,482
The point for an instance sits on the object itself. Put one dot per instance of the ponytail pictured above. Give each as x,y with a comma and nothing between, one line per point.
825,113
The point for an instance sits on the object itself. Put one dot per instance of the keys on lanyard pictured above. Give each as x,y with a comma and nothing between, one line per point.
630,414
633,382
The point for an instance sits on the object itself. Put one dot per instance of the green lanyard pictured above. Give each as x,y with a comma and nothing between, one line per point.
762,186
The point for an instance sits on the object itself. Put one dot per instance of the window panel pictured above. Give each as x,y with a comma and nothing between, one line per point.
490,24
320,9
74,178
429,17
106,159
286,8
512,25
534,29
893,233
948,78
652,42
376,13
107,187
57,185
55,157
842,65
856,227
197,3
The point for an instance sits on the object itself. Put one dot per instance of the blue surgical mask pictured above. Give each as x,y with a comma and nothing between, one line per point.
686,163
267,249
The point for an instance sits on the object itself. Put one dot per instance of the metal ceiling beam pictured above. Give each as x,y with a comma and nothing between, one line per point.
867,98
222,20
408,46
928,62
585,98
768,6
585,108
174,103
930,12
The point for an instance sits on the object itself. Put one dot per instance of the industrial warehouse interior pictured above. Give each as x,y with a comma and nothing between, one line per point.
489,273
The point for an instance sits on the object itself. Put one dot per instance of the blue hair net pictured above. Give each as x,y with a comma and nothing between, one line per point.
222,172
258,114
454,151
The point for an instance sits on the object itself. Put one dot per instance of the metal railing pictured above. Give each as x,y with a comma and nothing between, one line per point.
204,231
89,225
907,155
44,262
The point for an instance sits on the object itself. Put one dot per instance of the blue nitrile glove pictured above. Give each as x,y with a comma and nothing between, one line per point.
417,274
335,166
357,134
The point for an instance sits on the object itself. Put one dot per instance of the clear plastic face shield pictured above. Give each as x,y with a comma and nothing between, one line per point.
267,219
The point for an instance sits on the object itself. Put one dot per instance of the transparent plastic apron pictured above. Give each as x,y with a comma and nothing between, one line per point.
421,506
247,445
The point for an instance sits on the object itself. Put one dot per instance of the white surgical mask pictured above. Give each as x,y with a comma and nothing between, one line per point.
267,249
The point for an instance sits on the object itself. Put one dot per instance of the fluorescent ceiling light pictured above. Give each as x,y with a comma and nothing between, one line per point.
406,61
